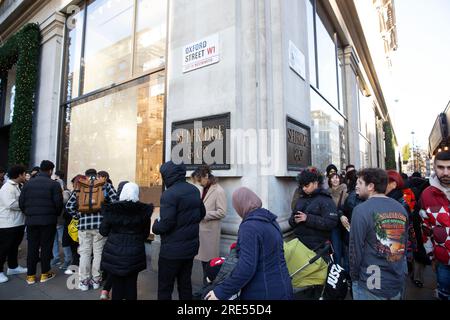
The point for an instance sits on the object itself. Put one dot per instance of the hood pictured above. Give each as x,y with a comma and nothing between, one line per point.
395,194
126,212
417,183
173,173
245,201
434,182
261,214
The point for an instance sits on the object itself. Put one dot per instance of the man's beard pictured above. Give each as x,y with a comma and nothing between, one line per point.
444,180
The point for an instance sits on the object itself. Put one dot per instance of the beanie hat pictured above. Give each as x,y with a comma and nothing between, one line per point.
213,268
331,167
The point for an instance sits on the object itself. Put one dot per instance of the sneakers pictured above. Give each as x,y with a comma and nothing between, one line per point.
104,295
18,270
3,278
69,272
31,279
47,276
84,285
96,284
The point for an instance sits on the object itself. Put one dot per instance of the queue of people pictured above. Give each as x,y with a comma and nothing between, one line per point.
383,230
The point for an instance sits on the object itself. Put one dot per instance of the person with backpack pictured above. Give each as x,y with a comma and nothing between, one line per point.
85,204
126,224
41,200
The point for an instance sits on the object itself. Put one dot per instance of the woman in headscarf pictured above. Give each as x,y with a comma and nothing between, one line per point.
126,223
261,272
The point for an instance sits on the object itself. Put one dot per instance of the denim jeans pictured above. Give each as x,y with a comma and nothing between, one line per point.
361,293
66,250
443,281
336,241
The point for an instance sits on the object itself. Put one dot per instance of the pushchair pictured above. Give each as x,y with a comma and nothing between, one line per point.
314,274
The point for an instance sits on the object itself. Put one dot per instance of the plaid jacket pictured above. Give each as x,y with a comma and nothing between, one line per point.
90,221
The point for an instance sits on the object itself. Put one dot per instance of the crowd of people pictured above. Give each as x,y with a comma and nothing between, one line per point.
383,226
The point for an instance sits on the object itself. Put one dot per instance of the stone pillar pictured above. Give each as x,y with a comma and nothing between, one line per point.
351,97
46,114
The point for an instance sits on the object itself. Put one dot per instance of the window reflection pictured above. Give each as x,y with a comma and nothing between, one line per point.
328,134
150,35
121,133
108,49
10,95
311,45
74,40
326,53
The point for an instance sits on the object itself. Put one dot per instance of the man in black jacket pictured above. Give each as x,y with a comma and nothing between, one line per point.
181,212
41,201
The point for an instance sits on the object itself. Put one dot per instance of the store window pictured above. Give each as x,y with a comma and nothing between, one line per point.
325,68
150,35
112,41
115,91
124,137
108,51
329,125
328,134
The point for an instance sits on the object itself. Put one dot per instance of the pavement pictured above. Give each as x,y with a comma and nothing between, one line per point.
58,288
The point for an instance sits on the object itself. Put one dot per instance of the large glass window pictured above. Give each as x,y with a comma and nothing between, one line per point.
328,134
326,53
115,83
109,30
113,41
324,66
121,133
150,35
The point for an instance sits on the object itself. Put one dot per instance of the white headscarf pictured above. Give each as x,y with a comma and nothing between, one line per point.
130,192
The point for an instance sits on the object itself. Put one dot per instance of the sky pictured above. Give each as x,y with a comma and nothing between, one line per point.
421,68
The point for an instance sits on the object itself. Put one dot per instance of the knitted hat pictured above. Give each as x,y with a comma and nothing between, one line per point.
213,268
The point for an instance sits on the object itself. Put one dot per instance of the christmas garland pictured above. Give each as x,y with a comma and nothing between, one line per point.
390,150
24,49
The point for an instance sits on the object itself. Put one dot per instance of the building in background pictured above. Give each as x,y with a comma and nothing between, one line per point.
297,78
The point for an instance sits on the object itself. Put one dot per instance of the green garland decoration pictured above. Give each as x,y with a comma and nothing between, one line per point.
390,150
22,48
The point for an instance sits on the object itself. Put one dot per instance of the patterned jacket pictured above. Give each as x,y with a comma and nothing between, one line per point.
435,213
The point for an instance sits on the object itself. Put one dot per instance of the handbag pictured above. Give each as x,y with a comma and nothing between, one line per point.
72,229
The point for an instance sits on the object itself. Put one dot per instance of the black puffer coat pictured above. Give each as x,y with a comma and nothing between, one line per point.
127,225
182,209
321,218
41,200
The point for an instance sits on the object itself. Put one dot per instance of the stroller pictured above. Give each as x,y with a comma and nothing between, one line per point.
314,274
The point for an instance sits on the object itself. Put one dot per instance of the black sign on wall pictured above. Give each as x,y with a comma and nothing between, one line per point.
298,137
202,141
